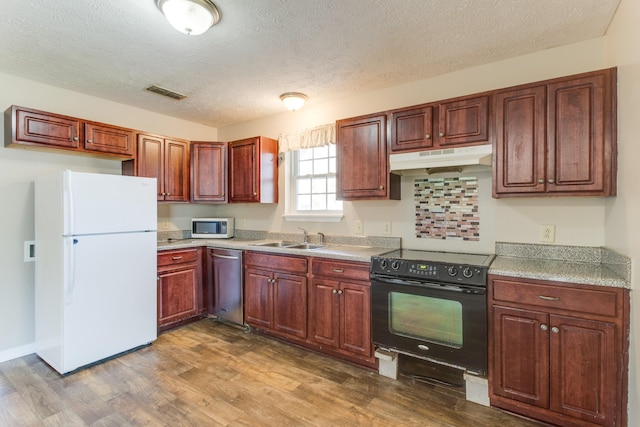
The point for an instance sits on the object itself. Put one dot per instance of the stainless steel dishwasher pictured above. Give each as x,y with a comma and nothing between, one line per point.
225,285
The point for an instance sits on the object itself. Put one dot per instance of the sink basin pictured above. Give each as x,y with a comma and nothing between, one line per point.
277,244
306,246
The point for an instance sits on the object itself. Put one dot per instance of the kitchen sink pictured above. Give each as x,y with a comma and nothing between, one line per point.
278,244
306,246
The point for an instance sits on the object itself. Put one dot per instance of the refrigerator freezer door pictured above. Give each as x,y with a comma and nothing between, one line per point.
111,305
101,203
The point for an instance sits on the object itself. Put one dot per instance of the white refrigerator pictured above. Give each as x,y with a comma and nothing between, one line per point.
95,266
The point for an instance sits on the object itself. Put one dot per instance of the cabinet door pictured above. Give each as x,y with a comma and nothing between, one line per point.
412,129
576,135
290,304
324,304
258,298
362,171
149,160
243,170
583,369
108,139
520,355
40,128
177,294
176,170
209,172
464,121
519,154
355,318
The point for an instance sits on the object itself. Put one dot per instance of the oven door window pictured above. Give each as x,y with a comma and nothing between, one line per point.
432,319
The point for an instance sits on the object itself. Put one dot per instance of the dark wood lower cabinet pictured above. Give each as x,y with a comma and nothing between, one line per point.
558,352
180,298
337,321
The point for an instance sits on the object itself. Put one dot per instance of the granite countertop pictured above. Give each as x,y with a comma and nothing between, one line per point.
348,252
582,265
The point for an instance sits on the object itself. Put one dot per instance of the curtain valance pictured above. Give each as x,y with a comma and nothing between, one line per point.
308,138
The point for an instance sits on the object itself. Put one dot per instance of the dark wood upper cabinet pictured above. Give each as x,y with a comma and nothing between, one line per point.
30,127
456,122
362,168
209,172
253,170
557,137
168,161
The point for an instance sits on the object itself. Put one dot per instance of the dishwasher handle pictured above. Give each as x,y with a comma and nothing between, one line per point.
225,256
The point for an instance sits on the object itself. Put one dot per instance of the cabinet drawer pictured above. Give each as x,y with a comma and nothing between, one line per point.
276,262
177,257
595,301
340,269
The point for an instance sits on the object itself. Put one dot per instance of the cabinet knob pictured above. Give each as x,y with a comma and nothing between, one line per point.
167,194
541,181
551,181
382,187
255,194
334,291
75,138
544,327
427,136
340,292
441,134
555,330
90,141
222,194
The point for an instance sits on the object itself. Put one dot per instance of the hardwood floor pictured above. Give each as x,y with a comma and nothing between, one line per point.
209,374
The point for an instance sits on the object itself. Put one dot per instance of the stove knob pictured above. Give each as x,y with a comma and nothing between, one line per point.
467,272
383,264
452,271
395,265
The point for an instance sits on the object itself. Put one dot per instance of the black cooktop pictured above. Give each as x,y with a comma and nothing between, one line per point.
477,260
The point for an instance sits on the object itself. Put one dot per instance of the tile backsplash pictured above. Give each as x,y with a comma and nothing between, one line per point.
447,208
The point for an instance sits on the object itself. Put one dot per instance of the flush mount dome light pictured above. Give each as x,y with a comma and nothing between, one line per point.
293,100
191,17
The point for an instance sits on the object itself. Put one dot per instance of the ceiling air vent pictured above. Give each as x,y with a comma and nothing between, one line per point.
166,92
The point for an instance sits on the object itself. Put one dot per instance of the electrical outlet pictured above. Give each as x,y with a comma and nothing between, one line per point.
359,227
548,233
386,228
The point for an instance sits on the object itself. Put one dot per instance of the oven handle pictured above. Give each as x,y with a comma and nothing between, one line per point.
406,282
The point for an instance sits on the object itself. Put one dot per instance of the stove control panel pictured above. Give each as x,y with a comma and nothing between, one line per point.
430,271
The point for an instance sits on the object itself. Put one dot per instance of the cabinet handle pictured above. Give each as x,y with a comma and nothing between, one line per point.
338,270
427,136
90,141
340,292
555,330
544,327
75,138
441,134
541,181
551,181
176,258
334,291
548,298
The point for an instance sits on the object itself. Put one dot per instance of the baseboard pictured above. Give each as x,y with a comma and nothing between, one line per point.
14,353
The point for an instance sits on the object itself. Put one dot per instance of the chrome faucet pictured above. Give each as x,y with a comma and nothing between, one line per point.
305,235
321,237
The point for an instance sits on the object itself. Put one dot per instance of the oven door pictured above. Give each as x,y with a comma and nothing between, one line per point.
443,323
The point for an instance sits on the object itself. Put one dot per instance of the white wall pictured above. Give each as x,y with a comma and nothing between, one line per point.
18,167
579,221
622,212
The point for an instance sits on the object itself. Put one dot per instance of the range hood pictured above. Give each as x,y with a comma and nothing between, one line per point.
448,157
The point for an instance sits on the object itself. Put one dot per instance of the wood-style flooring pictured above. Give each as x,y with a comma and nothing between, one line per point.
210,374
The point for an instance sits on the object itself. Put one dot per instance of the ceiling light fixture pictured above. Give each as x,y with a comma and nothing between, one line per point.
191,17
293,100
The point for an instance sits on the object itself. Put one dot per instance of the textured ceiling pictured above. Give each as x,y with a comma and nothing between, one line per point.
236,71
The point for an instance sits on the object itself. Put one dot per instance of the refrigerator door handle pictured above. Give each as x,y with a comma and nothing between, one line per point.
70,282
68,188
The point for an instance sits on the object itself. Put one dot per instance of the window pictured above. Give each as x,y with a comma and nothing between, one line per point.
312,186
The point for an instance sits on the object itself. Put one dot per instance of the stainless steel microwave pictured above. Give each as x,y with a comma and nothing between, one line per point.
212,228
